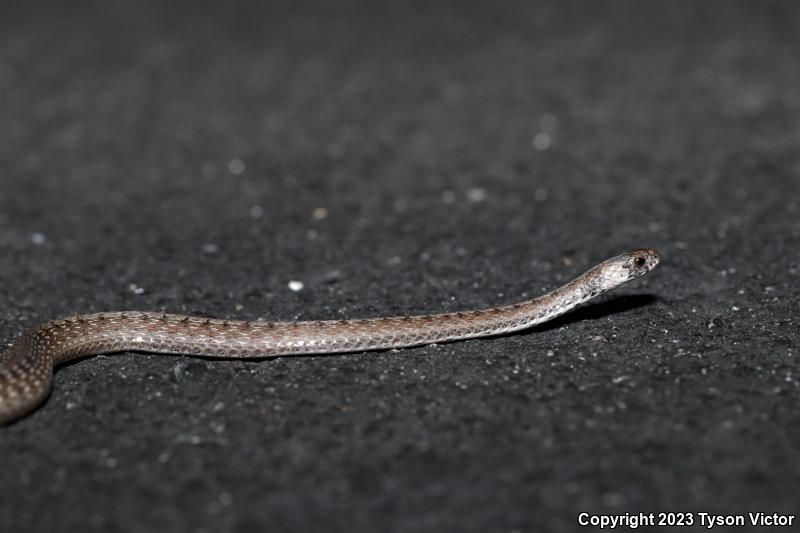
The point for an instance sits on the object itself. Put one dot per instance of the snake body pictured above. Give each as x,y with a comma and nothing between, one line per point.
26,371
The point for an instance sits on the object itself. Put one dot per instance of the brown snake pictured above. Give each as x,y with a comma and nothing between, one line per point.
26,372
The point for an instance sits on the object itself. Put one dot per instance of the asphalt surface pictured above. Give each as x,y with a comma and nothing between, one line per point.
402,158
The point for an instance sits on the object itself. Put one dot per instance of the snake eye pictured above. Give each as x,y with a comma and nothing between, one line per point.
639,262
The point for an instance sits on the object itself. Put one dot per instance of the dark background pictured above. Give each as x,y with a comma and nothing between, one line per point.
405,157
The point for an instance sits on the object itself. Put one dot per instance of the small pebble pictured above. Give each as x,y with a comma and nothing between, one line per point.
476,195
135,289
236,166
542,141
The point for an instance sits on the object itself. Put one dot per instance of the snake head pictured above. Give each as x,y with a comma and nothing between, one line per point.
623,268
640,262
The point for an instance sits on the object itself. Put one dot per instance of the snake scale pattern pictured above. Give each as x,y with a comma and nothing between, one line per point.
26,371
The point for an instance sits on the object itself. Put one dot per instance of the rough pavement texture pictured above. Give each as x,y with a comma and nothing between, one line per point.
399,158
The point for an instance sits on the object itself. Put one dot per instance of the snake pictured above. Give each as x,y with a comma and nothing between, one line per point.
27,368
